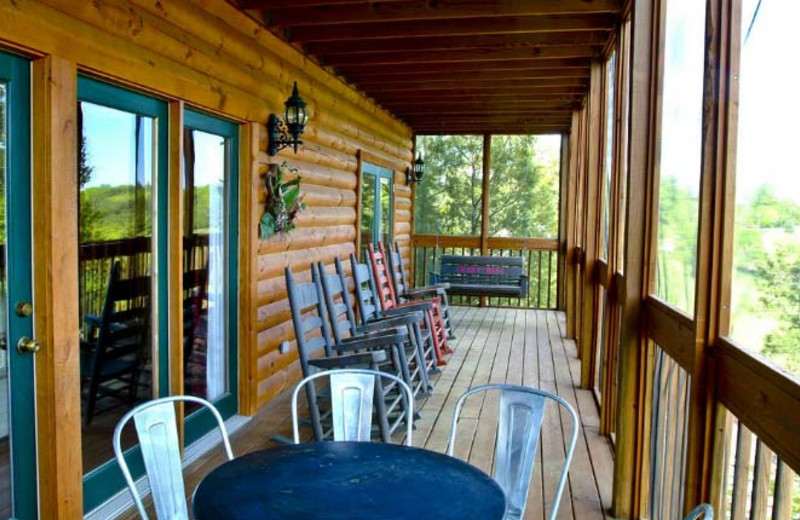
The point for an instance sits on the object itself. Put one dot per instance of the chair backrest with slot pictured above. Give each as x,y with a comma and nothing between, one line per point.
395,269
351,393
157,429
519,423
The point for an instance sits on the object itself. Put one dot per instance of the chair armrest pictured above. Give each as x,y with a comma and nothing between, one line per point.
423,292
379,333
370,342
93,320
409,308
382,324
353,360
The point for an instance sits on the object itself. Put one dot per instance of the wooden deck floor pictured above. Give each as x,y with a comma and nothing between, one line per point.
493,345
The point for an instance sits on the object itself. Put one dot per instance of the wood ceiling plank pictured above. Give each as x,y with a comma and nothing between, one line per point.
492,84
399,102
461,107
491,129
468,26
418,68
492,41
486,109
542,93
365,81
280,4
472,55
294,15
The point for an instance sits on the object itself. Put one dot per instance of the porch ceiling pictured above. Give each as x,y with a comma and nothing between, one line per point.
455,66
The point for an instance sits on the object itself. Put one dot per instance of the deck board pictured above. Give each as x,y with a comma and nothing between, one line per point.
494,345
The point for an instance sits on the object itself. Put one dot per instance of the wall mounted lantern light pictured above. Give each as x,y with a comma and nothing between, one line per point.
419,171
287,132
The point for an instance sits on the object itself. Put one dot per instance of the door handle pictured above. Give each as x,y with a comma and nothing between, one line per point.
27,345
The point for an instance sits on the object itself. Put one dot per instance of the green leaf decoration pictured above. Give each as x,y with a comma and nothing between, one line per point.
283,201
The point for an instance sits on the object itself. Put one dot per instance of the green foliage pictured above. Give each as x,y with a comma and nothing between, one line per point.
523,187
114,212
778,277
448,200
283,203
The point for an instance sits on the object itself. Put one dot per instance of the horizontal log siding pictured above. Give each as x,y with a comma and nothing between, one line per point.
217,58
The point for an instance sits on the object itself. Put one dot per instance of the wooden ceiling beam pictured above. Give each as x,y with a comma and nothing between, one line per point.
397,104
494,84
491,129
442,68
521,119
471,55
487,109
280,4
541,93
461,27
490,41
460,106
367,80
294,15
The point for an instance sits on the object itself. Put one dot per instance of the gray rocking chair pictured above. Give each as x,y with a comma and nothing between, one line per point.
311,328
519,425
369,311
352,392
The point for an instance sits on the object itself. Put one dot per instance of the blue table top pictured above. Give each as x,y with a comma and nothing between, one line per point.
347,481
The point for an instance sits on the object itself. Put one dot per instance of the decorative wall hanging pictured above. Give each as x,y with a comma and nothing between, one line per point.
284,201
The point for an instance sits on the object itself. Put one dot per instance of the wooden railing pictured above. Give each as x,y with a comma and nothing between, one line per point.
540,265
134,254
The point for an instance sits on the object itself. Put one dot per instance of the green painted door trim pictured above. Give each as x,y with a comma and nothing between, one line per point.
15,72
380,173
103,482
202,421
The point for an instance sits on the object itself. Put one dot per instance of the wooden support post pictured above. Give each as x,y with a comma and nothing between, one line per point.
631,394
563,193
485,202
593,175
55,270
249,216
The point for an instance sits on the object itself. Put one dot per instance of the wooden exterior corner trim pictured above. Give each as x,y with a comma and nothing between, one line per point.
55,236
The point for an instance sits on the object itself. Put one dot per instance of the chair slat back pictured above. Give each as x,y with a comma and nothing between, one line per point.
365,291
401,268
352,391
382,276
351,399
519,424
398,279
307,306
158,439
337,300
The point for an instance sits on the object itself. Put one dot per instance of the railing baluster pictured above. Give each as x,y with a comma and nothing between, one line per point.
784,481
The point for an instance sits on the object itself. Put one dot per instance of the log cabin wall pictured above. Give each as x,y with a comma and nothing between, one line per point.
209,55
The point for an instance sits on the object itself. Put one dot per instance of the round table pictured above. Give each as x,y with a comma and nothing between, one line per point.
347,481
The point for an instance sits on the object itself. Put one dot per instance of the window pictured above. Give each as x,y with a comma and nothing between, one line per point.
448,200
210,297
679,158
765,310
524,186
608,150
376,205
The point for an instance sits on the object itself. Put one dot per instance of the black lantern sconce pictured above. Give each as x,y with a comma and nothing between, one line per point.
419,171
287,132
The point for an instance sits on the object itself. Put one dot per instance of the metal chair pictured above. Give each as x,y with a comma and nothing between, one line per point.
351,393
157,429
704,511
519,424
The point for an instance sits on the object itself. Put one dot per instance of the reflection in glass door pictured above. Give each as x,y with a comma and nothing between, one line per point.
17,421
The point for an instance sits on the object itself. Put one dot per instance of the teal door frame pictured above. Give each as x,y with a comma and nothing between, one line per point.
103,482
15,73
380,173
202,421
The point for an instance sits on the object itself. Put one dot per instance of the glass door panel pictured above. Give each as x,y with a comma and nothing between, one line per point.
209,265
122,240
17,419
385,230
376,205
368,204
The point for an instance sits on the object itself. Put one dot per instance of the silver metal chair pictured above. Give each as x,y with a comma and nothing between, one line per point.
519,424
351,393
157,428
704,511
